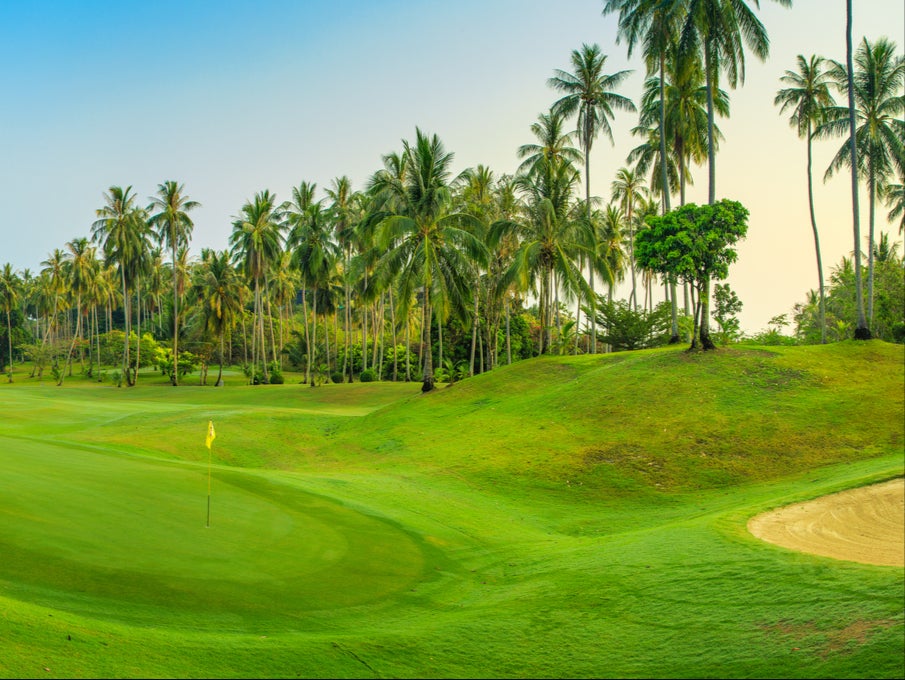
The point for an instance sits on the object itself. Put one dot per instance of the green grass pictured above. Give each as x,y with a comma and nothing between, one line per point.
575,516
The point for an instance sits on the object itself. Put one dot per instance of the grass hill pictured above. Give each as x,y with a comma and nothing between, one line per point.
567,516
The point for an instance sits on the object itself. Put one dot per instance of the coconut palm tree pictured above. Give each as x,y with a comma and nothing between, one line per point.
590,94
720,30
808,96
55,280
10,293
552,142
80,266
552,239
424,243
656,24
123,234
170,208
879,137
217,287
313,255
628,188
256,242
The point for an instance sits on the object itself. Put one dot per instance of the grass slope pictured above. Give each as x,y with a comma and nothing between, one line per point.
574,516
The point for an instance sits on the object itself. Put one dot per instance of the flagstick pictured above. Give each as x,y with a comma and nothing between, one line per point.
209,454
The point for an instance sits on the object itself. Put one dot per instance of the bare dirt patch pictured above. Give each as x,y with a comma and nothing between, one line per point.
860,525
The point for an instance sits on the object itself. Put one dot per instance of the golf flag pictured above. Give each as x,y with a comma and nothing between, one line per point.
211,435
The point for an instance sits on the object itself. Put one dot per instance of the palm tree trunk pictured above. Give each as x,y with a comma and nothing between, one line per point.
427,381
709,77
307,336
312,348
816,242
393,324
174,380
137,326
872,193
9,340
474,334
862,331
587,192
220,374
508,337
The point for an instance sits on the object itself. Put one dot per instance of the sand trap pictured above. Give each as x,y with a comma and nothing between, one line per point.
861,525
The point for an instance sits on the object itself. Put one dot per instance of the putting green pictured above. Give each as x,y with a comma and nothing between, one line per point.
123,537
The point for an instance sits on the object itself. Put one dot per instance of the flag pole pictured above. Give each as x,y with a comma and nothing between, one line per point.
209,440
209,454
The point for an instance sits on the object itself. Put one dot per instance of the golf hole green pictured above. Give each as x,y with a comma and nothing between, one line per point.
122,537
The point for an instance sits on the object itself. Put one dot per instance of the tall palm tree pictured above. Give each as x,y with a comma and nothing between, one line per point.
879,135
590,93
123,235
217,287
720,29
808,96
628,188
423,242
170,217
552,142
80,266
552,239
656,23
313,255
54,270
10,292
257,241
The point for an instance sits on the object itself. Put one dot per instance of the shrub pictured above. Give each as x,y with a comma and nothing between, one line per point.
367,375
336,377
276,375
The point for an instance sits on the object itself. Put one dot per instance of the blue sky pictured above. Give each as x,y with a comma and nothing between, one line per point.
234,97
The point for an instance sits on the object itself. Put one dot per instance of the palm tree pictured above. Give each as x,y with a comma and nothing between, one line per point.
629,189
656,23
423,242
123,235
721,29
808,97
552,239
552,143
80,261
590,94
879,132
174,230
217,287
10,292
256,241
54,270
313,255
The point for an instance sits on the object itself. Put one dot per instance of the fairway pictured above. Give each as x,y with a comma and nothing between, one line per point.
366,530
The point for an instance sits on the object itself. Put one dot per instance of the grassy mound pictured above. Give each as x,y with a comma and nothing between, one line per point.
572,516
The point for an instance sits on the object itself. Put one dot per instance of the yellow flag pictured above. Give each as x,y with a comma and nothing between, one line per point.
211,435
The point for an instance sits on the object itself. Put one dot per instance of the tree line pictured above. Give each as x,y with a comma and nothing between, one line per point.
368,281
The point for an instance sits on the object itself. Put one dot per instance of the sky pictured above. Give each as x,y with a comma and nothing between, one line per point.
233,97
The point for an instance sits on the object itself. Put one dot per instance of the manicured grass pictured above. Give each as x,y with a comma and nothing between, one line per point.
575,516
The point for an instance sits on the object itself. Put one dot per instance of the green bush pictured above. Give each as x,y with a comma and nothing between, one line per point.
276,375
336,377
368,375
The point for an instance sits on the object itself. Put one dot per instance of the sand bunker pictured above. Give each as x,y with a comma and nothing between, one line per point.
861,525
